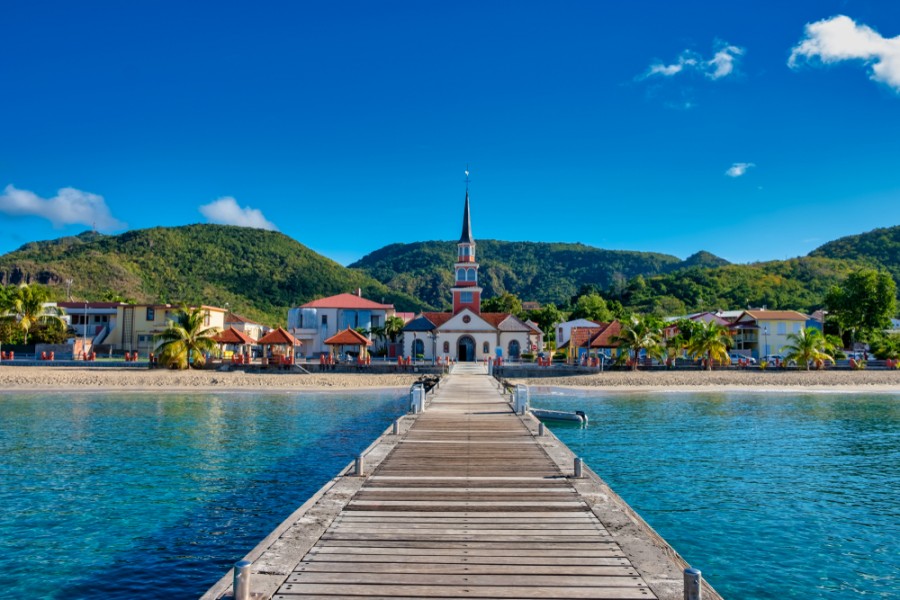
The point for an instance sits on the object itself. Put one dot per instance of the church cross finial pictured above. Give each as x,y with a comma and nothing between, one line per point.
467,177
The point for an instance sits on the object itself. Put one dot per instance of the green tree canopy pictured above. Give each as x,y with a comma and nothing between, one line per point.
504,303
593,307
186,340
863,303
547,317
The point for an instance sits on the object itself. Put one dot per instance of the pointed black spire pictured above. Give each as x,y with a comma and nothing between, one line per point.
466,236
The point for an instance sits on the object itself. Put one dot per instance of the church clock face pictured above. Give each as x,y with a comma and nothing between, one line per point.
466,318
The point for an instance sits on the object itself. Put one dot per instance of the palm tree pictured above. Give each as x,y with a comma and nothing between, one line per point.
28,307
639,334
393,326
711,340
185,341
808,346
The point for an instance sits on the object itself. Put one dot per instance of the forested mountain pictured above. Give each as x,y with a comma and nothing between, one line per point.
878,248
541,271
259,273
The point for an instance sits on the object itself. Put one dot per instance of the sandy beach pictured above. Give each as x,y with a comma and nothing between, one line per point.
99,378
882,381
117,378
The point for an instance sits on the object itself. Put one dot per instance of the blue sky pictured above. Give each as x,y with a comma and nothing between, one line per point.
755,131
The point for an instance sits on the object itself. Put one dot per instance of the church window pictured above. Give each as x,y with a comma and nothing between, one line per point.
446,347
418,347
486,348
460,274
470,274
465,297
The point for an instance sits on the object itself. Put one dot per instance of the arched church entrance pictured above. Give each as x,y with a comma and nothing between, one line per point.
465,349
514,349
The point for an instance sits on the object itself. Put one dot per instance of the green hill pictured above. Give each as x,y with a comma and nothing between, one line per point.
259,273
878,248
541,271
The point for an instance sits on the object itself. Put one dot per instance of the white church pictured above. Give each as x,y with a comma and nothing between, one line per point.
466,333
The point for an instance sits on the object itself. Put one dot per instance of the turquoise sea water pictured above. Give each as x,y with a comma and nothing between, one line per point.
771,495
156,495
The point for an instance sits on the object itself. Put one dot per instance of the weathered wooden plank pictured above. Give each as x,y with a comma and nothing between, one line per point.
356,578
319,566
290,591
538,560
596,544
598,550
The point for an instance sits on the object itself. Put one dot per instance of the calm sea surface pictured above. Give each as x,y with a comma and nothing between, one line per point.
156,495
770,495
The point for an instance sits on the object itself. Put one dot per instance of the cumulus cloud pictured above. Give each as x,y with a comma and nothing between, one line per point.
841,38
721,65
738,169
68,207
226,211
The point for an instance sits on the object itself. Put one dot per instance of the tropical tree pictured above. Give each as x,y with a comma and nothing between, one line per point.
504,303
393,326
808,346
864,303
711,340
641,333
29,307
593,307
186,340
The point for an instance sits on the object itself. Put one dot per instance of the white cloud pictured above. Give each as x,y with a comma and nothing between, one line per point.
841,38
720,65
738,169
225,211
68,207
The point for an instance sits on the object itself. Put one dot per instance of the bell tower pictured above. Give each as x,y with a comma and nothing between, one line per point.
466,293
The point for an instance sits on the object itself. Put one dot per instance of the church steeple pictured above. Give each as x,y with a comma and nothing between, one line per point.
467,223
466,293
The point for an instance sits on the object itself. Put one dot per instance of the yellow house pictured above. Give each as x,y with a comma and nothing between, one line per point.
136,324
765,332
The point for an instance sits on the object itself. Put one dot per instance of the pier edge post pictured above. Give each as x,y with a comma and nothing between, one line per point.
396,430
578,467
692,584
242,570
540,429
360,465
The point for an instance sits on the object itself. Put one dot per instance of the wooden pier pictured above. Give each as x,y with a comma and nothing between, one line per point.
468,502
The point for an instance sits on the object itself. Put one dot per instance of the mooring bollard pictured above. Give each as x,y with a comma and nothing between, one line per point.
692,588
360,465
540,429
242,580
578,465
396,427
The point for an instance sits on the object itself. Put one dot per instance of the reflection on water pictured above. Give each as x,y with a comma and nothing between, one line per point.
771,495
156,495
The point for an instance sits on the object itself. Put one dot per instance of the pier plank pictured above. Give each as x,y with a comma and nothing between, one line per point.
467,504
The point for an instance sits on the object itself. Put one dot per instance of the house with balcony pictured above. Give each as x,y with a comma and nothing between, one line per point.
137,324
314,322
92,322
760,333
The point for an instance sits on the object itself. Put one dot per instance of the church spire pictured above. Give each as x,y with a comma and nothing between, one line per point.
466,237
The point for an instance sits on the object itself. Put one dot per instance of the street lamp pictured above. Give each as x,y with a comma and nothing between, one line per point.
766,334
84,332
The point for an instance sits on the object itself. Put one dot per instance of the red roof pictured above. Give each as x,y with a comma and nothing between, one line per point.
580,336
278,337
233,336
346,301
348,337
604,338
438,318
236,318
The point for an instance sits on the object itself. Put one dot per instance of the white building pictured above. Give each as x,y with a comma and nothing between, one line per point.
564,330
316,321
467,334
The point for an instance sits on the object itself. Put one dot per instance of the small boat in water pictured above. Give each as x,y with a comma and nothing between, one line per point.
543,414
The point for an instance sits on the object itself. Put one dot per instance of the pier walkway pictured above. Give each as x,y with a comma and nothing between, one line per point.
467,504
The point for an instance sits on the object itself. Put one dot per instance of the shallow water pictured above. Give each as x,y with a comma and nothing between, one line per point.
771,495
156,495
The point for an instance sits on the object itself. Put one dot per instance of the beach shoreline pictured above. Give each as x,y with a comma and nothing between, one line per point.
724,381
21,378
